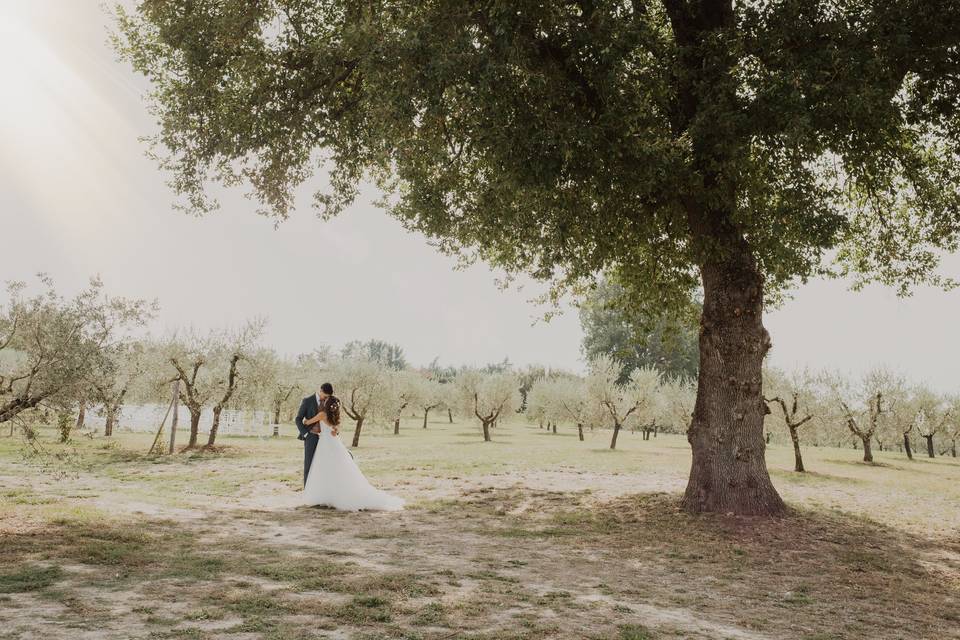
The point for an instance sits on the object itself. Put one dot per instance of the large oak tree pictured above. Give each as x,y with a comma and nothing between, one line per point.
673,144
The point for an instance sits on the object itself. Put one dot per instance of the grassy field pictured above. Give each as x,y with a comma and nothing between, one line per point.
534,535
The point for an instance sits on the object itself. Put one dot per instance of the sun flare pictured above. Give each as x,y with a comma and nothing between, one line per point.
59,134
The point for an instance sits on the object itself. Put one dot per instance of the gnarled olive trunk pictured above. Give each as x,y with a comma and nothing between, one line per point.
396,427
616,432
426,412
729,472
450,415
867,450
194,427
356,433
486,429
797,458
929,440
580,431
906,446
217,409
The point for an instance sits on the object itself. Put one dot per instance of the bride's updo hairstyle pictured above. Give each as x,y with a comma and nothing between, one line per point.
332,408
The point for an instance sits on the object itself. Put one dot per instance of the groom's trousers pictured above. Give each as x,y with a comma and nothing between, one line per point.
309,447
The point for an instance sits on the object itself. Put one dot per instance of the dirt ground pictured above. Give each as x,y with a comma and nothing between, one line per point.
532,537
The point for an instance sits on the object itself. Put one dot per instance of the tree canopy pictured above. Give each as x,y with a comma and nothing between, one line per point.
564,138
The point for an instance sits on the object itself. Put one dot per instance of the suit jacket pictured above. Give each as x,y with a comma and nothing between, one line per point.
309,407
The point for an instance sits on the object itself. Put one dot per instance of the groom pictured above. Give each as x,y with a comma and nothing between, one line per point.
310,407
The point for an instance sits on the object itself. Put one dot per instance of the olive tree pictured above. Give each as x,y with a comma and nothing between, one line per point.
114,379
430,395
952,429
677,399
359,383
903,414
537,401
402,390
793,400
863,403
209,368
569,401
736,147
541,400
52,348
275,382
487,396
934,412
620,402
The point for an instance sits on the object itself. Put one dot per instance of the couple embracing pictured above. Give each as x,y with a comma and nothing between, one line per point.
330,476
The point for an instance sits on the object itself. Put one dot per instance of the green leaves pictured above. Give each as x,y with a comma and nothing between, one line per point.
568,139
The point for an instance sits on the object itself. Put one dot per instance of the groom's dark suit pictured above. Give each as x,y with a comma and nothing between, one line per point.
309,407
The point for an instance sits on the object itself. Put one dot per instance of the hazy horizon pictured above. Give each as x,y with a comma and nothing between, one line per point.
80,198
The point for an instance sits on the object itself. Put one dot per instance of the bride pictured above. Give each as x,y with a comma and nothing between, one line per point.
334,479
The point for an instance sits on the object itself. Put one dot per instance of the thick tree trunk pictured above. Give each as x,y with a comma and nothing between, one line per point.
426,412
215,426
613,440
906,446
450,415
194,428
356,433
929,440
276,419
396,427
867,450
580,431
797,458
729,472
953,449
554,426
486,430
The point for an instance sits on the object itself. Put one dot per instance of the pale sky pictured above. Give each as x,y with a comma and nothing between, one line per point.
78,197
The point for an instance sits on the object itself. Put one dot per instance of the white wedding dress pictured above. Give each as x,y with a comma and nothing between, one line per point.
336,481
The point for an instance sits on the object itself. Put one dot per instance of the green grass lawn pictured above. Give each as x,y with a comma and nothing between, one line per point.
534,535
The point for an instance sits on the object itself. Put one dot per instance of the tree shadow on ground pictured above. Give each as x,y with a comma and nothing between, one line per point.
493,563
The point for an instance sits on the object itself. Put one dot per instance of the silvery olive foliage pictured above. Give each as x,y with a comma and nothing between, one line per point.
487,397
54,349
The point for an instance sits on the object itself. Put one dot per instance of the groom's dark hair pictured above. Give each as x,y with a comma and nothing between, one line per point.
327,388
